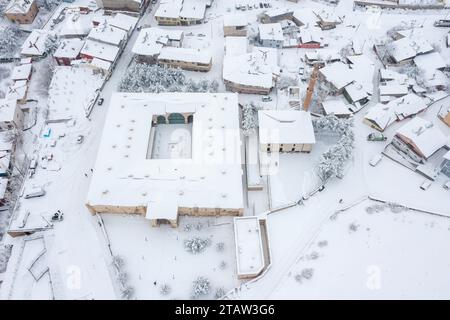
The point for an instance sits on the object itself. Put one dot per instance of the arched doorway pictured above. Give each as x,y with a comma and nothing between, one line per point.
175,118
161,119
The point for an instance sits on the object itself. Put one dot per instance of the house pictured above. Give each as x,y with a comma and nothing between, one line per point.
336,107
167,170
337,76
22,72
276,15
11,116
67,51
94,49
444,114
150,41
391,76
252,73
357,95
123,21
406,49
181,12
106,33
35,44
21,11
419,138
235,25
310,39
285,131
393,90
75,24
322,56
271,35
328,20
123,5
381,116
18,91
185,58
445,165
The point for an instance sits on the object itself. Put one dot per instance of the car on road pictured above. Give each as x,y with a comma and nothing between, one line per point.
80,139
425,185
375,160
34,193
266,99
100,101
376,136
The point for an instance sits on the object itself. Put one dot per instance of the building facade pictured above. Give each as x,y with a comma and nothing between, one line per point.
22,11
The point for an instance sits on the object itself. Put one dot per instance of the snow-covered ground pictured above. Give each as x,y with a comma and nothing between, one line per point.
315,253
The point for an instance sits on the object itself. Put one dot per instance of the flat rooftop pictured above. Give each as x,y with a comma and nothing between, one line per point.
125,176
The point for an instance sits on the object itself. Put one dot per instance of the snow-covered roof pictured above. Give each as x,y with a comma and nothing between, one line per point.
249,249
391,75
123,21
64,98
19,6
285,126
338,74
185,54
311,35
257,68
100,50
69,48
335,106
237,20
322,55
235,46
34,45
424,135
430,61
108,34
101,64
193,9
393,90
271,31
306,16
169,8
214,167
356,92
407,48
150,41
17,90
21,72
75,24
7,110
162,206
383,115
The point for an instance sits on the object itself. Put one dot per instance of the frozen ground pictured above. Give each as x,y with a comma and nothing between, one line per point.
357,255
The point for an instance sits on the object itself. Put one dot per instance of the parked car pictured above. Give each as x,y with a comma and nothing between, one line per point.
34,193
266,98
376,136
375,160
80,139
58,216
447,185
425,185
100,101
33,162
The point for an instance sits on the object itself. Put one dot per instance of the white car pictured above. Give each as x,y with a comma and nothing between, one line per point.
375,160
425,185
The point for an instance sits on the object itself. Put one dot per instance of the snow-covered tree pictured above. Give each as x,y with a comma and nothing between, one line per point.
201,287
220,292
165,289
220,246
9,40
249,119
284,82
196,245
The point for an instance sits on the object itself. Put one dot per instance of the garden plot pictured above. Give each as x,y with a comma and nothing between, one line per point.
372,252
159,266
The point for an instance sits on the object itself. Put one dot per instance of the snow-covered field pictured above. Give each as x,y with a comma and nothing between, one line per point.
337,244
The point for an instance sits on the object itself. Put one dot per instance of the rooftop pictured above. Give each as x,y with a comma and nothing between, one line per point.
271,31
69,48
214,166
285,126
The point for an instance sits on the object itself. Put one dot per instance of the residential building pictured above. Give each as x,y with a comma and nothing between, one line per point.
68,51
181,12
22,72
185,58
235,25
18,91
285,131
21,11
252,73
35,44
276,15
271,35
124,5
419,139
11,116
